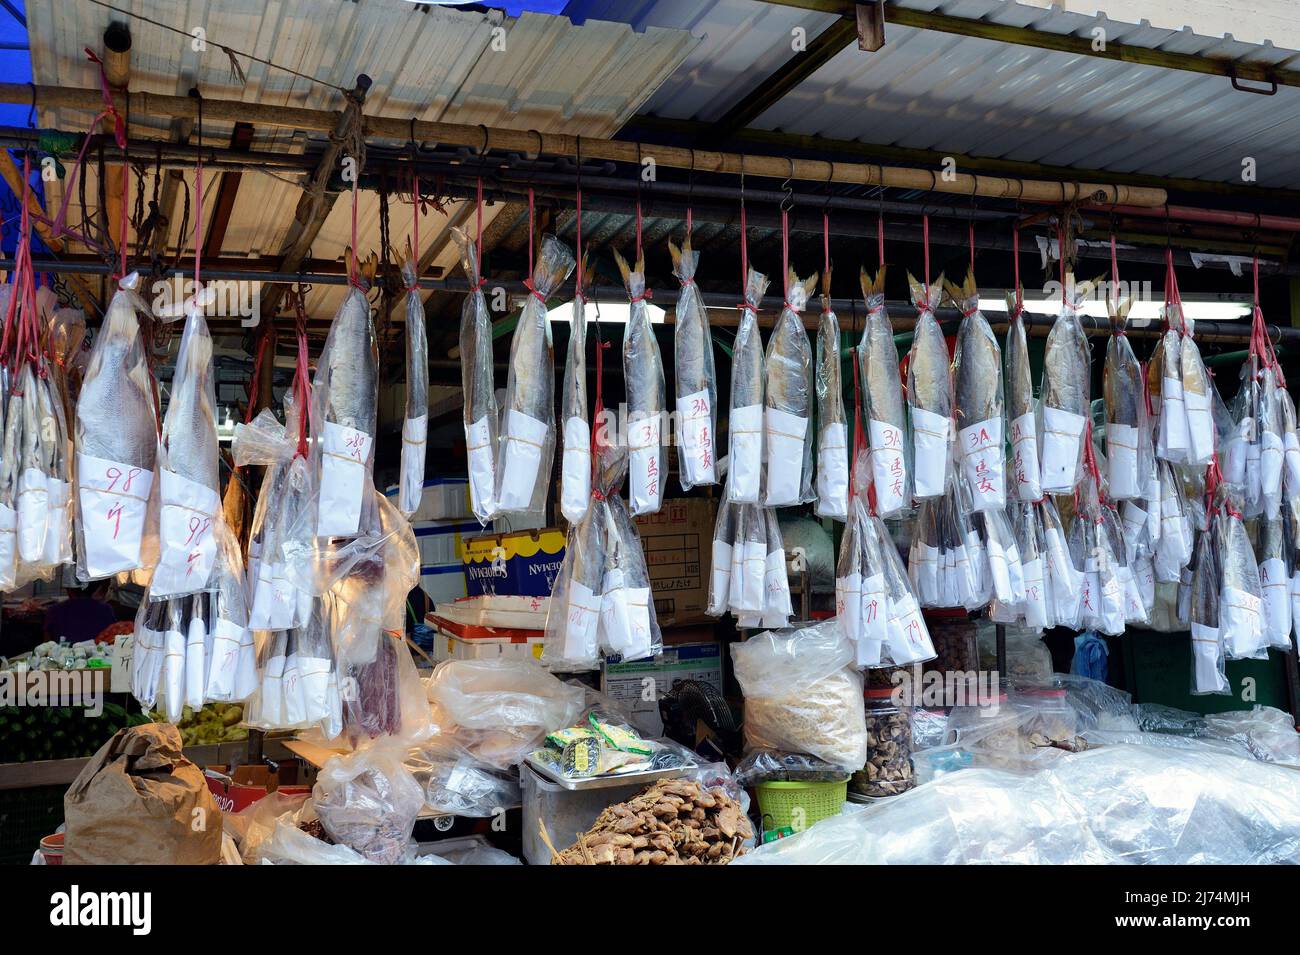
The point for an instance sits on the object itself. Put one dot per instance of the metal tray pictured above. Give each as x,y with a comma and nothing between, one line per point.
604,782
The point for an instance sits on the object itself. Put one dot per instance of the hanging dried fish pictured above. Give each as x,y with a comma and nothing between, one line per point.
1066,399
697,385
977,383
929,394
787,421
748,379
575,467
415,424
1125,409
882,391
643,372
480,408
832,437
1020,406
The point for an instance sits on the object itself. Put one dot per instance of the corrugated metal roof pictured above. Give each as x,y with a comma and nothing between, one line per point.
532,72
933,90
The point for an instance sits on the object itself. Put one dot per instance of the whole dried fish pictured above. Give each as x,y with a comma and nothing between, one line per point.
832,435
978,410
575,468
929,394
1125,409
1020,407
527,441
1208,672
415,424
787,421
697,384
745,420
1276,567
1197,400
480,408
1066,400
882,391
643,373
1172,442
1241,618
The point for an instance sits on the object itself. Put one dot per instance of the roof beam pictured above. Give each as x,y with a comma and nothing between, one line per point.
1061,43
240,138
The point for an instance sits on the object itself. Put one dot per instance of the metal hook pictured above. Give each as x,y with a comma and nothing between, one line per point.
787,201
482,150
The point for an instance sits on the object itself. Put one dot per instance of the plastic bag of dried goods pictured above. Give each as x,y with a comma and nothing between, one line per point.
697,384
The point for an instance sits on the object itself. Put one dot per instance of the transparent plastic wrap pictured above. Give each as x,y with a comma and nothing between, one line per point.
773,766
1177,536
1198,399
777,607
1276,570
8,486
1022,419
745,419
907,639
526,444
1205,599
345,399
1035,609
456,784
882,394
117,443
573,612
696,380
832,424
1095,546
480,408
368,800
1272,450
190,519
1120,804
1241,609
802,694
1066,400
948,563
1063,574
1126,418
643,374
498,710
929,394
1002,552
978,401
1165,381
575,466
788,402
415,424
629,628
724,541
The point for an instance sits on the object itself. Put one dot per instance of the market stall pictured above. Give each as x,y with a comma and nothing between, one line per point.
580,439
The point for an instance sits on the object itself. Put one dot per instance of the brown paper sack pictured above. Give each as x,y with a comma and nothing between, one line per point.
139,801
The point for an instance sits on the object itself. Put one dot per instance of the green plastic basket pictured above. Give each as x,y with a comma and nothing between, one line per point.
797,806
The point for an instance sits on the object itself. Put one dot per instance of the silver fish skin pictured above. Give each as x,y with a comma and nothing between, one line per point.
789,354
929,382
350,396
692,338
1207,578
116,416
1066,375
643,365
1240,570
977,362
1019,374
417,368
530,383
476,345
748,376
882,385
828,380
1122,374
189,434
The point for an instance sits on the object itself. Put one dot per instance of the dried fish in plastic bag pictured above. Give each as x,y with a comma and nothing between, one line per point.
1198,397
1095,547
1063,574
1241,611
629,629
345,401
832,424
1122,386
748,379
1021,416
724,539
1272,450
697,383
948,563
1205,596
777,606
1002,552
1276,568
1066,401
1174,548
480,408
116,441
526,444
929,394
415,424
882,392
575,466
643,372
907,639
787,419
978,408
1165,375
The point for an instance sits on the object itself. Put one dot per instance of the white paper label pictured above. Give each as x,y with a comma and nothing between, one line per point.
33,502
1174,440
645,466
930,433
833,472
1291,445
1024,458
1122,462
174,674
482,469
196,663
1270,464
581,623
695,427
272,708
924,572
58,539
753,577
1276,587
345,458
908,638
575,473
1200,428
745,459
1035,603
888,469
984,459
1062,449
524,440
1133,519
720,578
777,608
295,710
113,501
848,604
415,433
874,621
227,639
783,440
245,666
8,547
614,624
187,529
1242,623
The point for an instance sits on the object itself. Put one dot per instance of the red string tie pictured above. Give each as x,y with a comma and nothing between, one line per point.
528,284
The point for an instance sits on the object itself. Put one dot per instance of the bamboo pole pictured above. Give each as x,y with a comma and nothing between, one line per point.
533,143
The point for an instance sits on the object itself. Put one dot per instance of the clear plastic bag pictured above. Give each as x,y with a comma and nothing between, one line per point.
643,373
629,628
459,785
117,444
697,383
1066,402
1126,417
345,400
575,466
802,694
368,801
480,408
978,402
415,424
288,844
573,612
882,393
1204,611
1022,418
929,394
788,402
745,457
497,710
769,766
777,607
832,424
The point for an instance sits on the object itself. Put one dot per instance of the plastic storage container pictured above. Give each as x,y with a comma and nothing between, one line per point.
796,806
565,812
888,771
956,643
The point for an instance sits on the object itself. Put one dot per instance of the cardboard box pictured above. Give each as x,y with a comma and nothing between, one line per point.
245,785
521,564
626,682
678,545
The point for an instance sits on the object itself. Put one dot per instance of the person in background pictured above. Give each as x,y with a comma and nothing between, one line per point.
81,615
